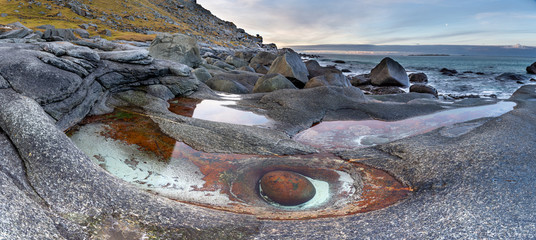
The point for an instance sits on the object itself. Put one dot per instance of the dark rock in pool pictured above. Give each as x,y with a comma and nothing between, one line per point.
287,188
533,80
291,66
316,70
418,78
449,72
346,70
480,73
331,79
389,73
359,80
510,77
422,88
339,61
532,68
272,82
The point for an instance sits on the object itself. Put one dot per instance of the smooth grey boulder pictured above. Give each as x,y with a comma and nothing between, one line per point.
418,78
82,33
181,70
532,68
423,88
330,79
28,75
177,47
202,74
58,34
389,73
316,70
291,66
272,82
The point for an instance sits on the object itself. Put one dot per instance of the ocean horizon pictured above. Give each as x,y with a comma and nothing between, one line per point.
400,50
478,66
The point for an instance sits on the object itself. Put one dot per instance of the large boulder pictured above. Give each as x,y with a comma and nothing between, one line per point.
330,79
291,66
177,47
389,73
316,70
59,34
532,68
272,82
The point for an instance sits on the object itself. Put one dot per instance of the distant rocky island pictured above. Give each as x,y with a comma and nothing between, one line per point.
393,161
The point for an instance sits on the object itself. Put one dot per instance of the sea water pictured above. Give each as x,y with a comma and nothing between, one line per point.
467,82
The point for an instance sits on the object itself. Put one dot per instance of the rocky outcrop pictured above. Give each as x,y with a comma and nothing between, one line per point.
330,79
272,82
177,47
291,66
510,77
532,68
389,73
448,72
418,78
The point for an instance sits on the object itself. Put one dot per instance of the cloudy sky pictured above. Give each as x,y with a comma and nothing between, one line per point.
408,22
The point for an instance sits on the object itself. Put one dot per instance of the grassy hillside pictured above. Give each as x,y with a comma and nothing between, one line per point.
127,19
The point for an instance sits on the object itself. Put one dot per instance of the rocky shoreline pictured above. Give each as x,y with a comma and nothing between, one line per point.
468,180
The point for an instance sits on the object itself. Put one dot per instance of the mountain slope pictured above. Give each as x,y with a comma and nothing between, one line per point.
128,19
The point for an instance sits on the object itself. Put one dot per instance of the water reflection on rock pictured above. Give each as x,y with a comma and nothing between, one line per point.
215,110
131,147
351,134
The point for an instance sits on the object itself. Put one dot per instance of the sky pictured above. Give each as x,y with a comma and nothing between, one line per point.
383,22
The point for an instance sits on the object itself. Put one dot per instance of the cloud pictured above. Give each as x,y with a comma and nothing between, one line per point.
296,22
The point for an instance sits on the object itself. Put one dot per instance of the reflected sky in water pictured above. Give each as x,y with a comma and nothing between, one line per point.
351,134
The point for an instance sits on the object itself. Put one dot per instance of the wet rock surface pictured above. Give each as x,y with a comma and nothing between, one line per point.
469,181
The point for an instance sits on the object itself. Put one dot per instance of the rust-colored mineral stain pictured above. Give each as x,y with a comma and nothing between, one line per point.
287,188
380,189
183,106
